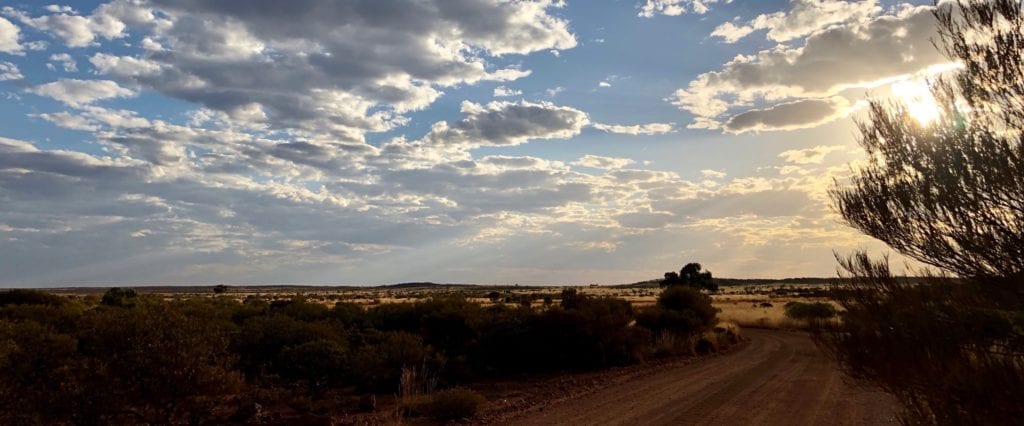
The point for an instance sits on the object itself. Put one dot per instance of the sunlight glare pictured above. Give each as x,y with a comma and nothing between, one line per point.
918,100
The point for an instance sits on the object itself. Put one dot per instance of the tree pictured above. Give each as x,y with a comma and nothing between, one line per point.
690,276
117,296
950,194
220,289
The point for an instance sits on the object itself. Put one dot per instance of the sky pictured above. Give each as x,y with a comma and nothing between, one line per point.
470,141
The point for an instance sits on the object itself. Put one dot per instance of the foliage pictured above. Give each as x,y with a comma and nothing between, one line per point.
810,311
949,194
121,297
29,297
144,359
691,276
950,350
680,310
447,405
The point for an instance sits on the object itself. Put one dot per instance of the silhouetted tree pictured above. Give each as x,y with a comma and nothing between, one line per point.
494,296
692,276
117,296
950,194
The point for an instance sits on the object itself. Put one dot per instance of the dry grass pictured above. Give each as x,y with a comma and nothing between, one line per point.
748,312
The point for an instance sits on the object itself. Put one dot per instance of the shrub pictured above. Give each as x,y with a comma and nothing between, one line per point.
117,296
446,405
29,297
681,310
319,363
810,311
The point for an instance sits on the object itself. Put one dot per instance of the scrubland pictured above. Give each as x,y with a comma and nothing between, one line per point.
287,355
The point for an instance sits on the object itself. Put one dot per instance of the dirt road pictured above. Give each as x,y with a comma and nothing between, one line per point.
780,379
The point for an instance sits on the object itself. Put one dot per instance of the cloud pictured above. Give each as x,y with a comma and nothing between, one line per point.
676,7
731,32
804,17
789,115
125,67
508,123
853,55
814,155
327,67
637,129
604,84
9,71
77,93
504,92
9,34
74,30
645,219
270,178
599,162
56,8
66,62
715,174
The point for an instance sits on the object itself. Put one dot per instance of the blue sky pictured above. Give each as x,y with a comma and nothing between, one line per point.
485,141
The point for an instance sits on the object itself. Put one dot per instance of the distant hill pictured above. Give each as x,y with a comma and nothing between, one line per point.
728,282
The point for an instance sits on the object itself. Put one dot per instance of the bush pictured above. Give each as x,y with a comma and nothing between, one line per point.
446,405
29,297
680,310
121,297
319,363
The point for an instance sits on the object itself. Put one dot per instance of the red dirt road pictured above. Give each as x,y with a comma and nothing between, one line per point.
781,378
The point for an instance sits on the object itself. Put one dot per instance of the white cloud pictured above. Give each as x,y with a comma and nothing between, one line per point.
814,155
604,84
70,121
109,21
77,93
504,92
9,71
74,30
853,55
731,32
599,162
803,17
37,45
66,62
714,174
327,68
636,129
677,7
9,34
55,8
125,67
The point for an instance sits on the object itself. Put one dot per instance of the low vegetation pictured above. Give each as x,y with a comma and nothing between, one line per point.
133,358
816,311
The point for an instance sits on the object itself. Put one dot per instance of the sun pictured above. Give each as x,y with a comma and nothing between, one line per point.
918,100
